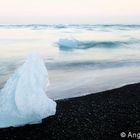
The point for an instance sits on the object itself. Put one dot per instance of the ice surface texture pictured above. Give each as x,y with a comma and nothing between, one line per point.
23,99
68,44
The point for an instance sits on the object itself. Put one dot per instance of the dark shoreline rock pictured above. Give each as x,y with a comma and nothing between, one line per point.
93,117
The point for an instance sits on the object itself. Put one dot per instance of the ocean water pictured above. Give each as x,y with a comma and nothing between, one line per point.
105,56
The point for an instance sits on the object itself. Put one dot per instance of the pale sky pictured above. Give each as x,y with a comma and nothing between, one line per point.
69,11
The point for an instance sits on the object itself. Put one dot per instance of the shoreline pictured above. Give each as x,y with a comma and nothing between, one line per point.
97,116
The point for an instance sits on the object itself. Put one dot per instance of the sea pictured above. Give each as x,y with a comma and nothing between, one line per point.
97,57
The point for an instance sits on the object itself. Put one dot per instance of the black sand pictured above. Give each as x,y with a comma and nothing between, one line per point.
92,117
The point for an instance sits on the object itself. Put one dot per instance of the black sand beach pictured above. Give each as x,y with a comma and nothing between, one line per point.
93,117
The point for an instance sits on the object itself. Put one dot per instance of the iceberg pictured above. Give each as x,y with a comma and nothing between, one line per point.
23,99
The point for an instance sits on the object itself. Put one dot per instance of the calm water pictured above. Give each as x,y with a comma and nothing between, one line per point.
107,56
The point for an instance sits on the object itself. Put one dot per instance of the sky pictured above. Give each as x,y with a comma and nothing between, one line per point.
70,11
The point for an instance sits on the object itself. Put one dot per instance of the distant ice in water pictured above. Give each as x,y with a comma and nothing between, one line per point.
23,99
68,43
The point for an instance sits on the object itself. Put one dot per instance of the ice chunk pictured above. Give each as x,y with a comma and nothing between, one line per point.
23,100
68,43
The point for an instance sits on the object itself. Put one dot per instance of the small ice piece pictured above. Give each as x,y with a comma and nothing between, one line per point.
68,43
23,99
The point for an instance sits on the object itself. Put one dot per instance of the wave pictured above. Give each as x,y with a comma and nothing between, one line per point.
101,44
76,26
33,26
91,64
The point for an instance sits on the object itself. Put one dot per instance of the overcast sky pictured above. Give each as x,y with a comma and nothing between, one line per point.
69,11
